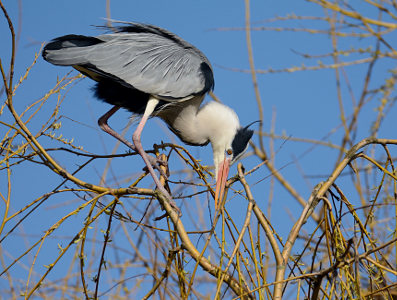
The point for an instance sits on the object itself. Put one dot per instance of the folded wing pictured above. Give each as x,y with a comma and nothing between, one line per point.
139,56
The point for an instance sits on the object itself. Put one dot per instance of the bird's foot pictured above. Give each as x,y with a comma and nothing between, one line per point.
157,163
175,208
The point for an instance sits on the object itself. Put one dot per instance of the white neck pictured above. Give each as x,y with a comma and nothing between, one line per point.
212,122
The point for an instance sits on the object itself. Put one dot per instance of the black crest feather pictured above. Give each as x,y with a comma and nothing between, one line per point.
240,141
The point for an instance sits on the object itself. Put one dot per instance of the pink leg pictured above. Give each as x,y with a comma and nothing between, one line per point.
103,124
136,137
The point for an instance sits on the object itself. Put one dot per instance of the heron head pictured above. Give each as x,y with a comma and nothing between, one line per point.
224,156
221,126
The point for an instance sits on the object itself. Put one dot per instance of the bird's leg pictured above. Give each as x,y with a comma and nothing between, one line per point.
103,124
136,138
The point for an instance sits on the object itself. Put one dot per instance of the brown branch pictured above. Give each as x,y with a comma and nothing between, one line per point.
171,256
282,180
196,255
317,194
12,59
252,69
353,14
105,242
251,203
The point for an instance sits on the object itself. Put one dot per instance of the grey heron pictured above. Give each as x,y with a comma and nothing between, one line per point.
153,72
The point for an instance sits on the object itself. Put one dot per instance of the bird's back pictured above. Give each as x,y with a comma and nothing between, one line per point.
144,59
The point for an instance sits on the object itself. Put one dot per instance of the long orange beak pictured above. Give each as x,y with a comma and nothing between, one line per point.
223,171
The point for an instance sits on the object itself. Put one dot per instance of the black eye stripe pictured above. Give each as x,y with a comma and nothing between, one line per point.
240,141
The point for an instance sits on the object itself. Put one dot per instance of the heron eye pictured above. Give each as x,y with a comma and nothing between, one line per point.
229,151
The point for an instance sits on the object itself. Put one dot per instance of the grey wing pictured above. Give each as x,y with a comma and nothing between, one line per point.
153,64
161,65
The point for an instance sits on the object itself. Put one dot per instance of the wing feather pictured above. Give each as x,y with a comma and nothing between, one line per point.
144,57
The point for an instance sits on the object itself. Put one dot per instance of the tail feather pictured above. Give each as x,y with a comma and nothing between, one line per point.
69,50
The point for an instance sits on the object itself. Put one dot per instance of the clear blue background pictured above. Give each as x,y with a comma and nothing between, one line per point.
305,103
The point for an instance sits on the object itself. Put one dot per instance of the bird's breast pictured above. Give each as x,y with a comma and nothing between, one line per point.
182,119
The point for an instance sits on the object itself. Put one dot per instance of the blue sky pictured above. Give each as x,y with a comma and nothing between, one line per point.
305,103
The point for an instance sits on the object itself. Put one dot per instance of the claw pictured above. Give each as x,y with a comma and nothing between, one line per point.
175,207
156,163
161,162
